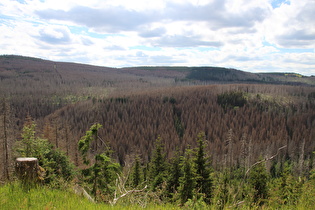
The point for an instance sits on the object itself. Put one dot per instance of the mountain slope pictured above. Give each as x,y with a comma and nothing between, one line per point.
136,105
39,87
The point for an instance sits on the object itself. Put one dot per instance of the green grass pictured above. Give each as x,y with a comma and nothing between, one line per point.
13,196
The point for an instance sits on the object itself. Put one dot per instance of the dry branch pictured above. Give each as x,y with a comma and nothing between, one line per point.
265,160
248,170
120,186
81,191
126,193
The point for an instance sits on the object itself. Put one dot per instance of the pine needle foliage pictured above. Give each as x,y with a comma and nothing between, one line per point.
85,141
187,187
204,180
158,165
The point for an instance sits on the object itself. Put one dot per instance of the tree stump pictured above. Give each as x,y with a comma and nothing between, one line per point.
27,170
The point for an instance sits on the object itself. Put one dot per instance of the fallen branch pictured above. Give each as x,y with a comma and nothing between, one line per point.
81,191
265,160
237,204
107,147
126,193
250,168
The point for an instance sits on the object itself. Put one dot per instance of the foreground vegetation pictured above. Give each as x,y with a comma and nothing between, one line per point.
186,181
14,196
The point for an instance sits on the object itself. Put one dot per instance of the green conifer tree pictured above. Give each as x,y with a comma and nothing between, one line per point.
258,179
136,175
188,179
103,173
85,142
158,165
290,188
203,170
174,174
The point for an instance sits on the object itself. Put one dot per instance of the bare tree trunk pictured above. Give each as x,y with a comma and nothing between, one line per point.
67,139
5,142
244,150
56,136
301,158
230,148
228,153
249,154
76,158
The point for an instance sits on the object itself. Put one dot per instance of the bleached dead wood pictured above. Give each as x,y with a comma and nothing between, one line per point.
81,191
264,160
252,166
120,186
126,193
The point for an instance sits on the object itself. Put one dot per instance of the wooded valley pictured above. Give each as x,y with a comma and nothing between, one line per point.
225,121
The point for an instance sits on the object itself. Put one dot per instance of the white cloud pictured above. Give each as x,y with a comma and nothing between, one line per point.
251,35
292,26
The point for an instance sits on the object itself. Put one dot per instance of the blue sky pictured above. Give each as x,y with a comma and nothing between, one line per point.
278,3
250,35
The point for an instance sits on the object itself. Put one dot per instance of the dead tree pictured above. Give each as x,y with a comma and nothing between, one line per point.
120,189
5,111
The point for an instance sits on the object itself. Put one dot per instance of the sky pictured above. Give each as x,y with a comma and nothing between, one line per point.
249,35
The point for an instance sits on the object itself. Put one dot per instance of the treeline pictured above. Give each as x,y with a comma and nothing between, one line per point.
221,74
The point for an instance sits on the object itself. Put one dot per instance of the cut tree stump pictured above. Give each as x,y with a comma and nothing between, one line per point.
27,170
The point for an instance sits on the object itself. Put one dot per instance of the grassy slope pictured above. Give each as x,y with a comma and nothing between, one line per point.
14,197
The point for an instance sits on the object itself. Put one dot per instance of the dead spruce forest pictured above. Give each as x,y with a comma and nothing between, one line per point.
244,116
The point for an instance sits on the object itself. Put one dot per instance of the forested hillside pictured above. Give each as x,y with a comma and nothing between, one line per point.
39,87
271,117
110,121
135,106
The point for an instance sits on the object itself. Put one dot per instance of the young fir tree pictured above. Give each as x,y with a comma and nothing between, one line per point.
174,173
29,142
103,172
258,180
136,175
290,188
85,142
158,166
203,171
187,181
222,194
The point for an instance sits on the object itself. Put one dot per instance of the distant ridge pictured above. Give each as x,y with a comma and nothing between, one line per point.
179,73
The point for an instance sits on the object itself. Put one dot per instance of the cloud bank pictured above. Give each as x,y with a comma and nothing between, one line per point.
251,35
